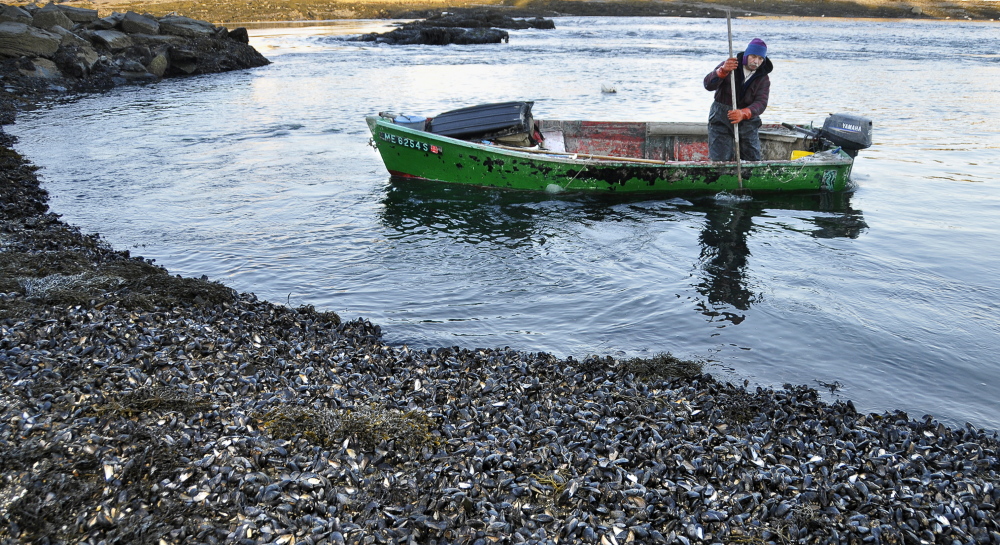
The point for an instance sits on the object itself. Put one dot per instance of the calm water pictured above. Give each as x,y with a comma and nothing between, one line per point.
264,180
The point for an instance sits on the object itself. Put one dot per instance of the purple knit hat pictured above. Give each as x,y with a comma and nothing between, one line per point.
755,47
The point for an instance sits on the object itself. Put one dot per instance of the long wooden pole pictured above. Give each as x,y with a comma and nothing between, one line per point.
732,85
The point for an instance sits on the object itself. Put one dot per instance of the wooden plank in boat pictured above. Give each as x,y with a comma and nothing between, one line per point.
676,128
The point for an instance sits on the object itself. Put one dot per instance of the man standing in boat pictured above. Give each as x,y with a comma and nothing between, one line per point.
751,69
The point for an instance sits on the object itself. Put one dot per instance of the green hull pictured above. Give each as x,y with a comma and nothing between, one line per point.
410,153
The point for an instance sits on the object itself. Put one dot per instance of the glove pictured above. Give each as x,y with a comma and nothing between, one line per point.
735,116
726,67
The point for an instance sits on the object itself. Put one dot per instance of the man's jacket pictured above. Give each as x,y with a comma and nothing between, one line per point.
751,94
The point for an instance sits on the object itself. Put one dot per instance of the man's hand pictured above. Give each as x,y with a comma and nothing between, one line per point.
727,67
735,116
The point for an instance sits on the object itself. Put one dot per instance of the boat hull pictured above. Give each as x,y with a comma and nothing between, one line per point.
411,153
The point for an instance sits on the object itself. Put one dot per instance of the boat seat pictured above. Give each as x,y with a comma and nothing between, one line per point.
677,129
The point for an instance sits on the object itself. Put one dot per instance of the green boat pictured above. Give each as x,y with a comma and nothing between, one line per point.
502,145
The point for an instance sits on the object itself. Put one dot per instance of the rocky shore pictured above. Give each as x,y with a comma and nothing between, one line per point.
59,48
137,406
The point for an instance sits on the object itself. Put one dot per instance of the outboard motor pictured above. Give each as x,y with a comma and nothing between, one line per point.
851,132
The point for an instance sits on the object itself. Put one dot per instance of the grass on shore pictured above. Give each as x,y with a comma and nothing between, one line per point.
246,11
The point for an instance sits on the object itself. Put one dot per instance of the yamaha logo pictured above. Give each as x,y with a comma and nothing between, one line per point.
847,127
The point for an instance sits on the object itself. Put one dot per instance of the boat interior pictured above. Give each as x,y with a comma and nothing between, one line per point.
665,141
512,124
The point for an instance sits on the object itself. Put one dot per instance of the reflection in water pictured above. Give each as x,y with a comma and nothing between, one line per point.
476,215
466,214
473,215
724,247
724,254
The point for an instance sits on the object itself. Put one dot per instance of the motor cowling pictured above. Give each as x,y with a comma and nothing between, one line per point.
851,132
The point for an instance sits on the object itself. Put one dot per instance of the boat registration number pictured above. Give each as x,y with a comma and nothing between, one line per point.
410,143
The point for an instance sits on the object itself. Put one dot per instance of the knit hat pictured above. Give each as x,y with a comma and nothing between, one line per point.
756,47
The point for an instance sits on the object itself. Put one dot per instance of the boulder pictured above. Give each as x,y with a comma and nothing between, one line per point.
68,37
240,35
42,68
19,39
87,57
133,23
481,36
177,25
158,66
79,15
184,61
107,23
77,61
112,39
14,14
129,65
51,16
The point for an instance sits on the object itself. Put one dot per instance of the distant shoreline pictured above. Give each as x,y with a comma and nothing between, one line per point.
238,11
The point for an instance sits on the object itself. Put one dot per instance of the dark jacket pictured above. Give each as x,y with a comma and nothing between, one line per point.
751,94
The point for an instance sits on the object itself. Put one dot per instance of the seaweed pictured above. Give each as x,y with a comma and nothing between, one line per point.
159,398
369,427
663,366
73,277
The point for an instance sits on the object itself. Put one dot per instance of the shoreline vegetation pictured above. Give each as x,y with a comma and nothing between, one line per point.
256,11
137,406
